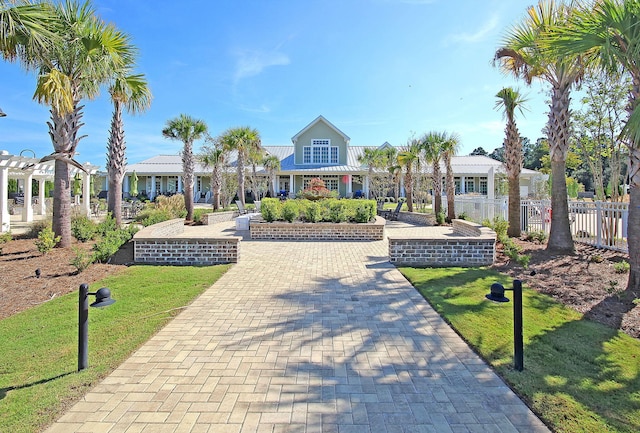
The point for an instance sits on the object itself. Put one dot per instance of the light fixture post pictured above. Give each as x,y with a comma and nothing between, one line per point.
103,299
497,295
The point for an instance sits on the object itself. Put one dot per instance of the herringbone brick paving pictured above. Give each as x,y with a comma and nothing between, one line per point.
304,337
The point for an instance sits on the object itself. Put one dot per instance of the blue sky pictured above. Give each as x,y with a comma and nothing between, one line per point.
380,70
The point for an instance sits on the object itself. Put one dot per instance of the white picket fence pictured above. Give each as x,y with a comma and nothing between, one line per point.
601,224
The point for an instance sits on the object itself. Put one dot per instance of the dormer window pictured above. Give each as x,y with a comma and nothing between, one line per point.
320,152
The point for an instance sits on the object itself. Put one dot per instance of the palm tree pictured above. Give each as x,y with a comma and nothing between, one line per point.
256,156
242,140
271,164
523,55
132,93
431,144
86,56
372,158
409,158
214,157
607,33
186,129
450,148
510,100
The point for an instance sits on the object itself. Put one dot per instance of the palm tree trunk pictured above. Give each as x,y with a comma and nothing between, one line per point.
451,188
514,207
437,188
560,239
116,164
188,167
409,189
240,169
216,186
61,221
633,224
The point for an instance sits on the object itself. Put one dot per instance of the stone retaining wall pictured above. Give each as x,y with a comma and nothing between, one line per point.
451,249
161,244
317,231
425,219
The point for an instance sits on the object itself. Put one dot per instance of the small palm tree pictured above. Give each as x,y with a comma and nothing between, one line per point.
431,144
372,158
243,140
132,93
215,158
450,148
186,129
409,158
510,100
271,164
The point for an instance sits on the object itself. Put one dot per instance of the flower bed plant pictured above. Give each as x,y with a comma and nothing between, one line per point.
316,211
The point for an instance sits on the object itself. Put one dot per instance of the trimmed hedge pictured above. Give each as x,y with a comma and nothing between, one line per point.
327,210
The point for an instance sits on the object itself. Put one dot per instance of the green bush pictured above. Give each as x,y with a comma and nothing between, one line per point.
362,214
621,267
312,212
270,209
4,238
36,227
47,240
83,229
82,259
441,217
197,214
153,216
107,225
108,245
537,236
290,211
337,212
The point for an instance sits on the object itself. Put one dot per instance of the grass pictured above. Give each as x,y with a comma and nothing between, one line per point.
579,376
39,347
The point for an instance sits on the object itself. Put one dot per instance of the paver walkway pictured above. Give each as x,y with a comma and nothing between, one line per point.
304,337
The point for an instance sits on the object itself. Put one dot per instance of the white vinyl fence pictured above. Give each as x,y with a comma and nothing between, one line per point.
601,224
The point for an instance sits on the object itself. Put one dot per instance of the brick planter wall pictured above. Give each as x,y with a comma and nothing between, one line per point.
425,219
260,229
218,217
454,249
161,244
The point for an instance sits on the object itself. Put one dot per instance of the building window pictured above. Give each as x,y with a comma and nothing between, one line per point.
483,187
320,152
469,186
172,184
330,182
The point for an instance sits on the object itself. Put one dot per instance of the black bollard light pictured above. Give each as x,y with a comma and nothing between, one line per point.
103,299
497,295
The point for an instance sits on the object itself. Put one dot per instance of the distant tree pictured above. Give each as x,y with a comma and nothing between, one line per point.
214,157
409,158
479,151
271,164
497,154
510,100
372,158
432,143
242,140
533,153
186,129
450,147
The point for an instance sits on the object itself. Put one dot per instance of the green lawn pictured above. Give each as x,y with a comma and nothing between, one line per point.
39,347
579,376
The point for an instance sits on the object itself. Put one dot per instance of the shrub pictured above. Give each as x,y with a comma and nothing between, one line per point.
197,214
153,216
316,190
36,227
290,210
337,212
83,229
174,205
270,209
621,267
362,214
537,236
4,238
107,225
82,259
441,218
108,245
463,216
313,212
47,240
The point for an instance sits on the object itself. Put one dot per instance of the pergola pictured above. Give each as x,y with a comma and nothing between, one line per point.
29,169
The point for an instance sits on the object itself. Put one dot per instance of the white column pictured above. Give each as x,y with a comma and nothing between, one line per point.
5,218
41,196
86,194
463,186
350,186
27,209
153,187
366,187
125,184
402,194
291,189
180,187
491,184
276,189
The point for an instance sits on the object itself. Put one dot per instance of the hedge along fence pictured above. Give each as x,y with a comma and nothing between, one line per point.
315,211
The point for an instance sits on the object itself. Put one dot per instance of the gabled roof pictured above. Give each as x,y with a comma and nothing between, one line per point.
326,122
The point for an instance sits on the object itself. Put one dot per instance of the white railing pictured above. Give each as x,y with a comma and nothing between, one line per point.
601,224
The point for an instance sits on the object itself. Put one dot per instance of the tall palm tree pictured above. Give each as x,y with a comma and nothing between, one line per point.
88,54
431,144
186,129
409,158
608,33
242,140
256,156
215,158
271,163
132,93
450,148
523,55
510,100
372,158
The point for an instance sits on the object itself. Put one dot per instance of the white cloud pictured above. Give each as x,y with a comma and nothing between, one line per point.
489,26
251,63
